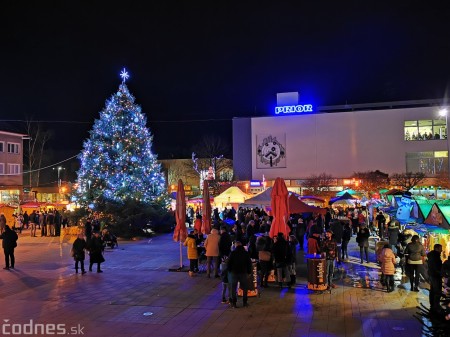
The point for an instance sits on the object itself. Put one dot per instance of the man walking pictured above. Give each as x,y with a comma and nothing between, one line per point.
239,267
434,273
9,243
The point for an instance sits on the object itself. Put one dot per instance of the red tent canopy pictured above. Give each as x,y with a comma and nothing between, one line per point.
298,206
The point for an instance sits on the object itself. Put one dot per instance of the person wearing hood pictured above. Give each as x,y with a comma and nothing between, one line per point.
212,253
393,231
192,253
9,243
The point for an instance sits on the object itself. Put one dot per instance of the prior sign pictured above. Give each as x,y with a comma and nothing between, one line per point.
288,109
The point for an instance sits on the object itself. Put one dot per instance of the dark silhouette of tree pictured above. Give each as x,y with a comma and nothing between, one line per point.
407,180
371,181
319,184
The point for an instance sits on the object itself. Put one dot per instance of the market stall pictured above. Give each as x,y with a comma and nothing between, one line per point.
233,196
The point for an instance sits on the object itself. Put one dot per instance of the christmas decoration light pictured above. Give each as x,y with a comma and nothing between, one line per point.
117,162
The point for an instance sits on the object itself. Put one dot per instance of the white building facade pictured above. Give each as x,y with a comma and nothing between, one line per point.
393,137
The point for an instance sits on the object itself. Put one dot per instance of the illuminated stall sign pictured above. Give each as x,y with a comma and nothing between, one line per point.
255,183
291,109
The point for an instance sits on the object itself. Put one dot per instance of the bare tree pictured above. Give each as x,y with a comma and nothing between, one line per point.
178,170
407,180
319,184
34,156
372,181
441,180
210,152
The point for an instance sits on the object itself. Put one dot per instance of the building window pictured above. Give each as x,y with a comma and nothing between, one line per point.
2,168
2,146
13,169
13,148
426,129
430,163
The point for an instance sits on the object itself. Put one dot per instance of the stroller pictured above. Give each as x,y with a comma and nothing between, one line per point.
109,239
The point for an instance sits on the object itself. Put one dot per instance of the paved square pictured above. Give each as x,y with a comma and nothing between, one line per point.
137,296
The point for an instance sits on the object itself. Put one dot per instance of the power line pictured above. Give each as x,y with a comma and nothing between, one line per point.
43,168
150,121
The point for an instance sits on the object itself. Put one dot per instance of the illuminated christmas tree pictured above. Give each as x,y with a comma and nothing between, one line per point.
117,162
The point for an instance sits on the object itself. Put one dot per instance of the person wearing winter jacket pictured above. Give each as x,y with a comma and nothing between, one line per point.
212,253
363,242
192,253
387,258
415,257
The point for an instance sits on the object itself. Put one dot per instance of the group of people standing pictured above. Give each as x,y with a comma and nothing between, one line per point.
93,245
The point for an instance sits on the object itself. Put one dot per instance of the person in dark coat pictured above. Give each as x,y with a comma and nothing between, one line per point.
292,259
381,221
337,228
9,243
224,243
393,231
300,233
78,248
96,252
264,247
280,251
239,267
435,276
363,242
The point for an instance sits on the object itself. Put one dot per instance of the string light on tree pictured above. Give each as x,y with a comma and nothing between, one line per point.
117,162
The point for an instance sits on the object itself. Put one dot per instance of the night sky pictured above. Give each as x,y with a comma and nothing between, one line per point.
194,67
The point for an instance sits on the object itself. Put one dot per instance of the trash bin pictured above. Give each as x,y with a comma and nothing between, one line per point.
317,272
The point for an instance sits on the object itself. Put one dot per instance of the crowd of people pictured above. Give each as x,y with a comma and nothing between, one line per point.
325,235
49,222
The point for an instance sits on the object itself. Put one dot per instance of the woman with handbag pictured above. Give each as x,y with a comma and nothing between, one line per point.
264,247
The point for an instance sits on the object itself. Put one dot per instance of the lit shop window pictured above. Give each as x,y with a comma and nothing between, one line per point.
426,129
430,163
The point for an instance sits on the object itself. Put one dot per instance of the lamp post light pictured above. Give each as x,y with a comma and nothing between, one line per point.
58,169
246,188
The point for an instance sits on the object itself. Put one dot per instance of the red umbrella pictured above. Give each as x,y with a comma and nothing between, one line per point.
180,232
206,216
280,209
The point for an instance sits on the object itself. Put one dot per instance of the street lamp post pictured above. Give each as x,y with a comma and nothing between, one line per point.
58,169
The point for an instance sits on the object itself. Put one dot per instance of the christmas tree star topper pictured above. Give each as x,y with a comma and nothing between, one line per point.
124,75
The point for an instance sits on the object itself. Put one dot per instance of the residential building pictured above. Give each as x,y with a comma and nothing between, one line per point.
11,167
